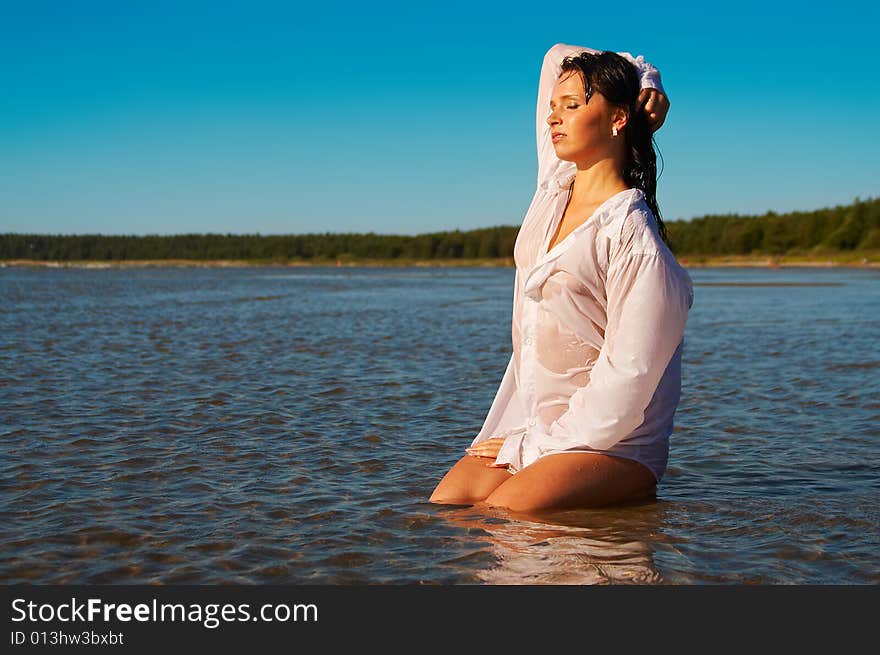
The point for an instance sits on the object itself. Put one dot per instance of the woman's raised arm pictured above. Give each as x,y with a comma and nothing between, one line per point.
550,167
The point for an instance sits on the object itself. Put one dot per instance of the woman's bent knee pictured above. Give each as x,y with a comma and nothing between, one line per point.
445,497
469,481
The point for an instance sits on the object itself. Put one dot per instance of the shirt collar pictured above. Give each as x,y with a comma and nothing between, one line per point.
557,184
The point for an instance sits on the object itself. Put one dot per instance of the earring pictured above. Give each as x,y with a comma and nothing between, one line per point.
614,131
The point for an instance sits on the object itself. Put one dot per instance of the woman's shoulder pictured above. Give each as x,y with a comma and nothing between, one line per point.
632,226
638,234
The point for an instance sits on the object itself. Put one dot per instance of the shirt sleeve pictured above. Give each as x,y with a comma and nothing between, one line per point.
549,165
647,311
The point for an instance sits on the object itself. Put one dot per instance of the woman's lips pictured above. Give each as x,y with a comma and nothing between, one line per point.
558,137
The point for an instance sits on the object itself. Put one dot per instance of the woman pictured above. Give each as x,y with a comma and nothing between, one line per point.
585,408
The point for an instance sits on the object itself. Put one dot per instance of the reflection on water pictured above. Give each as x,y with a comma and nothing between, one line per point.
579,547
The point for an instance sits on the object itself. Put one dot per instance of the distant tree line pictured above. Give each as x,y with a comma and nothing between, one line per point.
482,243
843,228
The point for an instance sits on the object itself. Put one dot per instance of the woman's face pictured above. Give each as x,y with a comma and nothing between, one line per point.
581,130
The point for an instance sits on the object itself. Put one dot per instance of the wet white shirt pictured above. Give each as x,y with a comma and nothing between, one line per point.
598,322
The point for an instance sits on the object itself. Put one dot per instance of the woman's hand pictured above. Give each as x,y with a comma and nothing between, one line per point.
655,105
488,448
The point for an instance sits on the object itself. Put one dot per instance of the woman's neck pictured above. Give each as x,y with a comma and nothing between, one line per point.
595,183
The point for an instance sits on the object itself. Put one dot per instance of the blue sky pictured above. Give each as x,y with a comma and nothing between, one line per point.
402,118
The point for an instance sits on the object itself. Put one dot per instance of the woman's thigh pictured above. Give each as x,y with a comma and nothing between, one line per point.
576,479
469,481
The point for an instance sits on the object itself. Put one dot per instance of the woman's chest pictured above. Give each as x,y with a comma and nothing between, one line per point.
568,283
573,217
576,276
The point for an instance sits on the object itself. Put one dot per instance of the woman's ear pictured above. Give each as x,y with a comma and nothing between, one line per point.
619,119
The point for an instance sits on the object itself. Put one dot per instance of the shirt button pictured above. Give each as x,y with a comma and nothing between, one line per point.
529,341
532,422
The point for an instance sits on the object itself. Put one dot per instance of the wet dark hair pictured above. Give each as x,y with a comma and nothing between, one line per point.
617,80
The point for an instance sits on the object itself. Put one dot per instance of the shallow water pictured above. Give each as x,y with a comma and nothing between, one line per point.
274,425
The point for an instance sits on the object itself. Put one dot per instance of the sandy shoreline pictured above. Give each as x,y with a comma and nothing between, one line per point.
688,262
779,262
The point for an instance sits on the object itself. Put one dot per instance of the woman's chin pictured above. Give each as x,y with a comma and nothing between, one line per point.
563,153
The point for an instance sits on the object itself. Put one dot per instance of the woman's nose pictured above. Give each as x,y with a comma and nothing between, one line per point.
552,118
